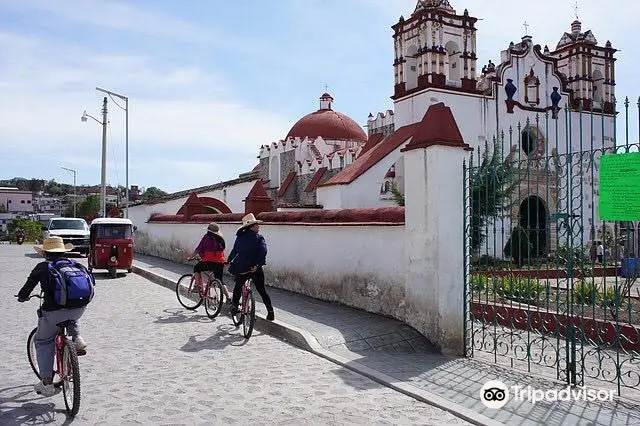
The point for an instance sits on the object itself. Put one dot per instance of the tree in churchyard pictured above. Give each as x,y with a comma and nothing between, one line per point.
153,192
490,184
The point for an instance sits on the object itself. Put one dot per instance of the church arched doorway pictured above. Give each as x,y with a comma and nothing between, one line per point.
533,218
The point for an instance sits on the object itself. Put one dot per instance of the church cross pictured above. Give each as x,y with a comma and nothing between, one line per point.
526,28
326,88
575,8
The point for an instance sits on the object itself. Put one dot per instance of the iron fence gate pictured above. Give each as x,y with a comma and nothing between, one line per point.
548,286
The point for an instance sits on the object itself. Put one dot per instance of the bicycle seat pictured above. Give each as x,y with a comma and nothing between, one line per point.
65,324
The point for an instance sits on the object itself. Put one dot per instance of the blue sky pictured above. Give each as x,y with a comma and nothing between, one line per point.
211,81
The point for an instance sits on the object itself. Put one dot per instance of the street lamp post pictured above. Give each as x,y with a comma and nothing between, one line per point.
126,136
75,199
103,188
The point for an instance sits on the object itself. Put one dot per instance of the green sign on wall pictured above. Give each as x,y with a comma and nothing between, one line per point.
619,187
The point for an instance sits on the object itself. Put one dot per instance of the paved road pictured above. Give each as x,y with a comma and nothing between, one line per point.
151,362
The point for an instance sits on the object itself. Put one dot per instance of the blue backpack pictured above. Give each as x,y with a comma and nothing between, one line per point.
73,283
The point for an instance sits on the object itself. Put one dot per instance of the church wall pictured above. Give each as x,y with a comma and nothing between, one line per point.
363,192
358,264
287,163
307,198
233,196
264,168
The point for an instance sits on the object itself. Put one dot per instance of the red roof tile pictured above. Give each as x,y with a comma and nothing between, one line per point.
287,181
438,127
367,160
315,179
373,141
257,192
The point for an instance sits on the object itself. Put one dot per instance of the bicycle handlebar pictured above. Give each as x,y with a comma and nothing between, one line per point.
39,296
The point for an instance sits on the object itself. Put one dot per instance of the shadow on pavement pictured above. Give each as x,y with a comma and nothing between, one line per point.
220,340
17,408
177,315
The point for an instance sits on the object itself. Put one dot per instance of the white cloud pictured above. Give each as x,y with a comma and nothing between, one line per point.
46,88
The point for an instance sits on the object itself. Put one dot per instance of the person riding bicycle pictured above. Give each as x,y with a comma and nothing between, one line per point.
248,255
50,313
211,253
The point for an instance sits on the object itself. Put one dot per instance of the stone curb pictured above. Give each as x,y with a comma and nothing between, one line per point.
305,340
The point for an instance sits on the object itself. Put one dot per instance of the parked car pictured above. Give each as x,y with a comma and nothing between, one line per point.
72,230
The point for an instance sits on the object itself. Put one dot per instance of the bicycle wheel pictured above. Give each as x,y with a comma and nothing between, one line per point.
213,299
250,316
70,378
187,293
31,352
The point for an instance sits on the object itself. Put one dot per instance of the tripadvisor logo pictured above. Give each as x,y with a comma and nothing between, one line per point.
495,394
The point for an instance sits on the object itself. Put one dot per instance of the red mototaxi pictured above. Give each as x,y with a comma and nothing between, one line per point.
111,245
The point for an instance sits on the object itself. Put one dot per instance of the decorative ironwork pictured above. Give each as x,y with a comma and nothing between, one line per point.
538,294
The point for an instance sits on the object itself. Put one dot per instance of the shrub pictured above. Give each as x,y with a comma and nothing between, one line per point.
520,289
478,282
611,298
586,293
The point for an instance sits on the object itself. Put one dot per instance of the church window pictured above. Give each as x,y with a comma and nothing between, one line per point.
532,89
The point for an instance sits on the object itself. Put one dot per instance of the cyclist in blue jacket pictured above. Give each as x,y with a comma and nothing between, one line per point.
248,255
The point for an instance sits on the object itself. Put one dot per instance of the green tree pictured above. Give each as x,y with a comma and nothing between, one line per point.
89,207
398,196
489,190
32,228
153,192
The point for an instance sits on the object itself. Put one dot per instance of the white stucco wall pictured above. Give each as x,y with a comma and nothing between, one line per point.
337,250
364,191
358,265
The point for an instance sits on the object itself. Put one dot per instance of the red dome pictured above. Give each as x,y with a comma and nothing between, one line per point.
328,124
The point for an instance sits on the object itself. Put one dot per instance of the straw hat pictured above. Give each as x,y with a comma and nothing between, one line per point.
53,245
249,220
214,228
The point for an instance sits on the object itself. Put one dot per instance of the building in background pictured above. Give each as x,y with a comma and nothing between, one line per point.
12,200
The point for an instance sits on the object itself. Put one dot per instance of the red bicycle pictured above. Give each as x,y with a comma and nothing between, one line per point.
210,291
67,367
247,312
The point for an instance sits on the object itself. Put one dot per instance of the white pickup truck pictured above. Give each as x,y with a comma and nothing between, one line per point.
72,230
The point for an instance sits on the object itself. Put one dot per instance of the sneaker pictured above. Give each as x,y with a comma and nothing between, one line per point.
233,310
81,346
44,390
270,316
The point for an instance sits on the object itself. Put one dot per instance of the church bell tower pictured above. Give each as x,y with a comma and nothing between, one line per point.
435,47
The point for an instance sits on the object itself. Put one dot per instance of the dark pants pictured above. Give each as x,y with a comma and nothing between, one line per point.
258,283
214,267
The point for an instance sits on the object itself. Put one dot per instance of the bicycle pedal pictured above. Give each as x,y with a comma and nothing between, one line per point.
81,352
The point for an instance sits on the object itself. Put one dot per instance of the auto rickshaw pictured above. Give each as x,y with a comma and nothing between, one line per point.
111,245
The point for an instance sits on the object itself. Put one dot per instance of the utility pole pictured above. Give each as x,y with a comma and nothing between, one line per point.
75,199
103,189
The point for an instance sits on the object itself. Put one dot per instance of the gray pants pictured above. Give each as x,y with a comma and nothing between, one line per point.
46,336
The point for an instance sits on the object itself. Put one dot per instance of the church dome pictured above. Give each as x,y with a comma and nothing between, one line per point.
328,124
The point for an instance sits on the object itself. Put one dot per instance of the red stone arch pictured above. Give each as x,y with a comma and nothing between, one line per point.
203,205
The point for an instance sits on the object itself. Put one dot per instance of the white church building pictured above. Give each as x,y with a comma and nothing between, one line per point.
329,176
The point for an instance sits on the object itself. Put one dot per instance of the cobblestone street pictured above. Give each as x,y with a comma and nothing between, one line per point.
151,362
